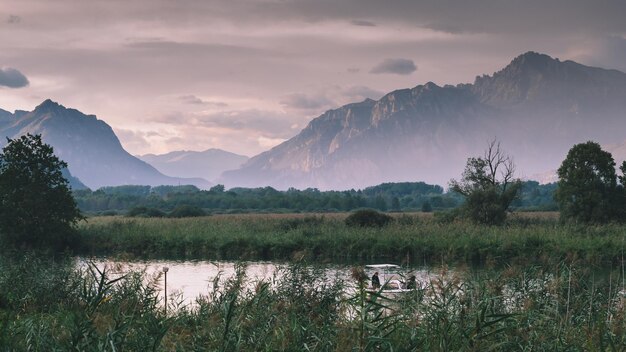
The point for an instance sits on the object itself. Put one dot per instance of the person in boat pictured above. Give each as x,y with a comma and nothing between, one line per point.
375,281
411,284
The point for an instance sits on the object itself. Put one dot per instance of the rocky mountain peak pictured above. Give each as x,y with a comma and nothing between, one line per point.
531,61
48,106
538,104
538,79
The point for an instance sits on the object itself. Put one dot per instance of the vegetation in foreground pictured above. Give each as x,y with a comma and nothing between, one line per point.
47,305
416,238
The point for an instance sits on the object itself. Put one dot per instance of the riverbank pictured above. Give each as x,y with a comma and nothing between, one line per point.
51,305
412,238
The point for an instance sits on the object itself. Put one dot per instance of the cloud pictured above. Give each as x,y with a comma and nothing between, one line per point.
607,52
13,19
12,78
363,23
395,66
362,92
302,101
451,28
134,140
266,142
194,100
269,123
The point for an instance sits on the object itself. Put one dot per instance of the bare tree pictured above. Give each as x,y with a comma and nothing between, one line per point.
488,184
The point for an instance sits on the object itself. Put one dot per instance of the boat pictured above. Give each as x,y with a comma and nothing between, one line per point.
391,278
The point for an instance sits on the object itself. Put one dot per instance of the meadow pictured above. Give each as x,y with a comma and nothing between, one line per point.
540,285
414,239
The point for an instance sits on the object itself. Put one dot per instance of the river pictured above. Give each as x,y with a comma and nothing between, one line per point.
188,280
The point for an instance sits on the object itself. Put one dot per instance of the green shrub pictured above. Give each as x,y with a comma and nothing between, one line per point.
187,211
446,217
368,218
145,212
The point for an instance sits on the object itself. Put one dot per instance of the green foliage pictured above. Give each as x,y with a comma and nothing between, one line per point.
127,190
36,205
145,212
66,306
400,196
164,191
368,218
56,306
588,190
442,236
489,186
446,217
426,207
186,211
536,197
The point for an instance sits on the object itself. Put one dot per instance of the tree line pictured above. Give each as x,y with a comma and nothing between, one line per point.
402,196
37,206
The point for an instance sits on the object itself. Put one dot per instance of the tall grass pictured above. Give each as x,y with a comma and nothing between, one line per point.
408,238
51,305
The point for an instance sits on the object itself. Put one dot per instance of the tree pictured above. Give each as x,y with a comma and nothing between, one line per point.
587,189
36,205
488,185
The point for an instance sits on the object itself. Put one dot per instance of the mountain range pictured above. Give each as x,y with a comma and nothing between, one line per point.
208,164
537,107
89,146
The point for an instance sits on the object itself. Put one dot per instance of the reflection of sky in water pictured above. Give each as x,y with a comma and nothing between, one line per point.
191,279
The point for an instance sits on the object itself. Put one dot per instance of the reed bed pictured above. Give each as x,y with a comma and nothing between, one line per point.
409,238
48,305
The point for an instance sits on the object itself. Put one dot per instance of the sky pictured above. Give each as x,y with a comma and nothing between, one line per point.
244,76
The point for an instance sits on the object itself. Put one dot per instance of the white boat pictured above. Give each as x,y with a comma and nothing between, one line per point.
391,278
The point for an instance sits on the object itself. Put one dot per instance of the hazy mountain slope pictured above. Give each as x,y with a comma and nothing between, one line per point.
88,145
208,164
537,106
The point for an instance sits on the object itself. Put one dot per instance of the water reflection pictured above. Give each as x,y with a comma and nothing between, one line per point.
187,280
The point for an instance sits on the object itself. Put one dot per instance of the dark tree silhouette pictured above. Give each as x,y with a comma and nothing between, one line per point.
588,190
36,205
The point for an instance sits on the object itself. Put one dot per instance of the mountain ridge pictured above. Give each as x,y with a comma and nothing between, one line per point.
207,164
536,105
90,147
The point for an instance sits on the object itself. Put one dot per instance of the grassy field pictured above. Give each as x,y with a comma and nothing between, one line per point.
552,287
413,238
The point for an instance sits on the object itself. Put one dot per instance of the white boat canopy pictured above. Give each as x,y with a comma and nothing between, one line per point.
383,266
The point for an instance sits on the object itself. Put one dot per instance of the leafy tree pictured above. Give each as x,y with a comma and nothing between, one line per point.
217,189
587,189
488,185
395,204
36,205
427,207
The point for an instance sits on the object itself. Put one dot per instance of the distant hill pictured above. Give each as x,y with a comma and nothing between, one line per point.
88,145
537,106
208,164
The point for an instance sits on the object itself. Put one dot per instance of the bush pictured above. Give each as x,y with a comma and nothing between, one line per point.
368,218
187,211
145,212
446,217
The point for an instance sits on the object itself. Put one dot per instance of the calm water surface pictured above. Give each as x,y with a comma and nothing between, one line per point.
188,280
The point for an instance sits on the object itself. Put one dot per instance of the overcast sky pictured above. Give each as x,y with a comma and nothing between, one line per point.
245,75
